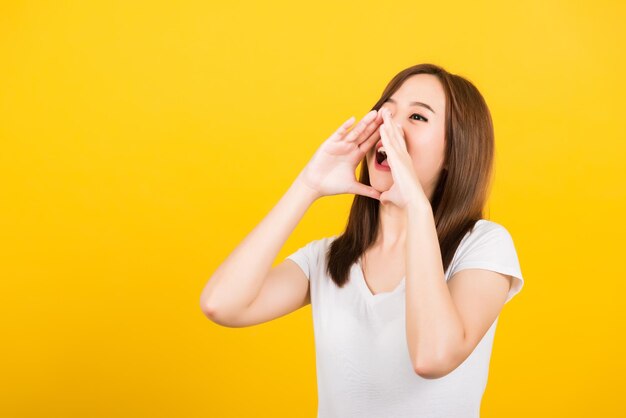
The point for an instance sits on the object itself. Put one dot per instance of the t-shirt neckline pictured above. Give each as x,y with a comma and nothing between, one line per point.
374,297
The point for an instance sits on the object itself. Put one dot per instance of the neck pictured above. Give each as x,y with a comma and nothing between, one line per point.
392,224
391,227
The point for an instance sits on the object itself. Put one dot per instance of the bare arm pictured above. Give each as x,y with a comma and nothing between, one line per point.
244,288
238,280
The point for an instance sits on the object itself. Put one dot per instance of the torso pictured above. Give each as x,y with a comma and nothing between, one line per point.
383,272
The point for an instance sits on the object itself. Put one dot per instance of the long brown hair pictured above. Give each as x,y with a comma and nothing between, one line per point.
463,185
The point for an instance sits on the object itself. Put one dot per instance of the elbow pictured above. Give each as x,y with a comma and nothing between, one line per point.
211,312
434,368
207,304
208,309
429,372
217,315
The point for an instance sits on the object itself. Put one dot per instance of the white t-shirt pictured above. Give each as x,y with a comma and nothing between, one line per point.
362,359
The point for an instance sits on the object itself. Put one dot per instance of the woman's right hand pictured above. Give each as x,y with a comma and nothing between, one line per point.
331,170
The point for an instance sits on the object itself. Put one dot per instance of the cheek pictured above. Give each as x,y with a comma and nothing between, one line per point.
425,152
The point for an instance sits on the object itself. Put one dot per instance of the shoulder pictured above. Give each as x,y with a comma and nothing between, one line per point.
322,245
316,249
486,241
311,255
488,225
485,230
489,245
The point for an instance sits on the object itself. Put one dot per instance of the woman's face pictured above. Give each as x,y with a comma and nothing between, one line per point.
423,128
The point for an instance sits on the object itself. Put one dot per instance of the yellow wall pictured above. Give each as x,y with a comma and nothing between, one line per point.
142,141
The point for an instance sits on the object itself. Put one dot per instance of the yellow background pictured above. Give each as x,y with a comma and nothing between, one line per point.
142,141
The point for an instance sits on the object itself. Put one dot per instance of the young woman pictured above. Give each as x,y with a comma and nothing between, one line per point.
406,300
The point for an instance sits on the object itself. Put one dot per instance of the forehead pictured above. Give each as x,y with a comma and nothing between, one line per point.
423,88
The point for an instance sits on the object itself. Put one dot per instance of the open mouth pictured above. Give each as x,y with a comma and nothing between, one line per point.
381,157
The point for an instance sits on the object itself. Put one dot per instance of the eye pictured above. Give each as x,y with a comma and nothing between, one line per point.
417,114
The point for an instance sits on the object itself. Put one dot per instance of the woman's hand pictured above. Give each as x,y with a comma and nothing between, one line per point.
406,186
331,170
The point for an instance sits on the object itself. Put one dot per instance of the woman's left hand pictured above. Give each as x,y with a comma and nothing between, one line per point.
406,188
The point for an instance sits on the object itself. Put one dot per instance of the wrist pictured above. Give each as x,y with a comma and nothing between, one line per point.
307,192
418,204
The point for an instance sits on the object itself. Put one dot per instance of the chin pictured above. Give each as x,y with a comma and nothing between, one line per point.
379,180
381,185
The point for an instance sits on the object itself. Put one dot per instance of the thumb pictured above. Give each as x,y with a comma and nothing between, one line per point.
384,197
364,190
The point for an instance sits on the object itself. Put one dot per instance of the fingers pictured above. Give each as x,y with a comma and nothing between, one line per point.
370,141
364,140
394,131
400,136
361,128
343,128
387,125
371,135
389,147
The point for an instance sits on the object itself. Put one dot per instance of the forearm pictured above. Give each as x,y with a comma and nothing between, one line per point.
238,280
433,325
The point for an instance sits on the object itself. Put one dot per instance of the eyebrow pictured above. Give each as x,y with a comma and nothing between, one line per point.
414,104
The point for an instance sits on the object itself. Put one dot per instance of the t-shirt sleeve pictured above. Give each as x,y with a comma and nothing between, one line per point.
304,257
491,249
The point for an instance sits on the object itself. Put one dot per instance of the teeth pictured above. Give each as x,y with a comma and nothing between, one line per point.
382,150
